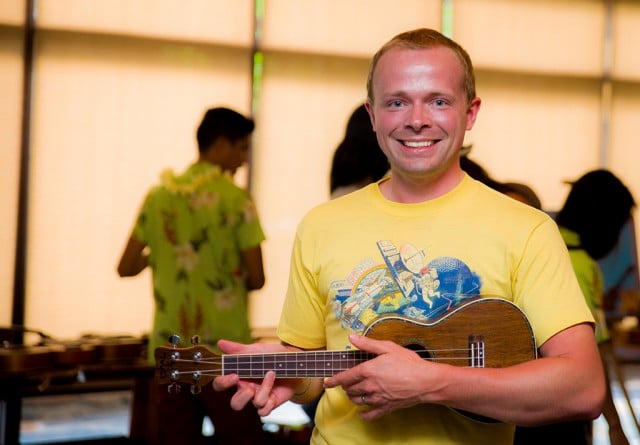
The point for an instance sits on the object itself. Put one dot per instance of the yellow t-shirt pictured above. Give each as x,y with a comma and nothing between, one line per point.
361,256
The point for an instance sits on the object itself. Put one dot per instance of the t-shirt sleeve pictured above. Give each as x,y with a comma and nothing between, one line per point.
546,287
302,319
250,233
140,227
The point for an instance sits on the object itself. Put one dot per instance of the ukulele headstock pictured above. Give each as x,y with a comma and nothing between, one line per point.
196,365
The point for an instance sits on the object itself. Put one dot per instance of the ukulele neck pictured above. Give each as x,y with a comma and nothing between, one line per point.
293,364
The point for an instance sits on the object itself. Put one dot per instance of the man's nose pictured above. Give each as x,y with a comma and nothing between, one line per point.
419,117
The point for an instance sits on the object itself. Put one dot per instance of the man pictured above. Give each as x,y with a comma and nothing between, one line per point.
417,244
203,236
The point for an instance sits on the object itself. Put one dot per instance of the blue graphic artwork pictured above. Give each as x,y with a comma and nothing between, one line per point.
405,284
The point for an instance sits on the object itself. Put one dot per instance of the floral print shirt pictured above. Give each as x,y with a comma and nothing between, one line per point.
195,226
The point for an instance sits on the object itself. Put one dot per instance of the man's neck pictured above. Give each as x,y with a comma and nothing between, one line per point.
410,191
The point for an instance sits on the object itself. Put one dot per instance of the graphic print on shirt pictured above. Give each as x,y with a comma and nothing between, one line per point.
405,283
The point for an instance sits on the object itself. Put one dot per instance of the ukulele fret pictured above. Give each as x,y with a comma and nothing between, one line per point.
476,351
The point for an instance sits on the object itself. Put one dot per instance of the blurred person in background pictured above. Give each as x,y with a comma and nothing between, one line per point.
358,160
200,234
590,221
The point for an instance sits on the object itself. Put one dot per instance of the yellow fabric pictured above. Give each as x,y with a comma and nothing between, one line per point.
472,240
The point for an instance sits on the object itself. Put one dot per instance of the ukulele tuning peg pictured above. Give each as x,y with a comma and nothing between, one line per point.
195,389
195,339
173,388
174,340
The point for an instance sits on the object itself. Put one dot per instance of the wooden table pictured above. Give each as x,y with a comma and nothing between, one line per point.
113,365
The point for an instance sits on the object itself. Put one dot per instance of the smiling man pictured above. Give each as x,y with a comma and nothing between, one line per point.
420,112
425,245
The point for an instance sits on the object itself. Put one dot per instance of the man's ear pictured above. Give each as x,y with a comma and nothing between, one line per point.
369,106
217,147
472,112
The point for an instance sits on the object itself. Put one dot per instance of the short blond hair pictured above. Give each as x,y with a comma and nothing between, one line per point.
424,38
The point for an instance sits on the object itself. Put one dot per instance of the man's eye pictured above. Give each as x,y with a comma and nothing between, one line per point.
439,103
395,103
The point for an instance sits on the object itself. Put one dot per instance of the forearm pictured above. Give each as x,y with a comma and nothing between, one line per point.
307,390
134,258
134,266
141,262
541,391
253,268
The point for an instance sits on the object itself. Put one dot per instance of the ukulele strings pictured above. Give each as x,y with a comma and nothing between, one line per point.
217,361
320,355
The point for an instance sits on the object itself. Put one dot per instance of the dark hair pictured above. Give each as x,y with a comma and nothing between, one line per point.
524,191
358,157
597,208
477,172
222,122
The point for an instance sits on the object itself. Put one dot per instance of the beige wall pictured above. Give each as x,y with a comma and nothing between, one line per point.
120,86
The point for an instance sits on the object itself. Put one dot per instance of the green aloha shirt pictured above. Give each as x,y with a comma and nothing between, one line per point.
195,225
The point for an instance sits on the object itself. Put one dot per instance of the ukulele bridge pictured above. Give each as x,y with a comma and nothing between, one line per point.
476,351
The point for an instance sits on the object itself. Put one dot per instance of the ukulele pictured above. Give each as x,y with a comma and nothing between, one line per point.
479,333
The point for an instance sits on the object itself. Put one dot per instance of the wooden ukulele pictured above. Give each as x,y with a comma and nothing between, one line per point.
482,332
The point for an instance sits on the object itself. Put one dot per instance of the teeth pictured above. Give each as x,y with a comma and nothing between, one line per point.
418,143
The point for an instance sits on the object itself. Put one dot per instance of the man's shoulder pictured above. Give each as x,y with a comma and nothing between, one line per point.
349,200
493,200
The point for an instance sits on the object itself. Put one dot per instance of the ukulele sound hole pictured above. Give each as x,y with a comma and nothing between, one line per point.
420,349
